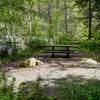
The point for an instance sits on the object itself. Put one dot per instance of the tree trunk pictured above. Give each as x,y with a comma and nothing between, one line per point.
49,21
66,15
90,21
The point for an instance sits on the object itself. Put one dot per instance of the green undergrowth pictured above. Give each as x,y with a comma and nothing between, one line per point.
21,55
76,91
91,48
64,90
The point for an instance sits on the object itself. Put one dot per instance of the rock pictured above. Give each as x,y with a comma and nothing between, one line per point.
88,61
31,62
5,50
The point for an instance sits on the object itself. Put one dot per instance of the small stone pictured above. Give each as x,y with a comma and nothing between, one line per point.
88,61
31,62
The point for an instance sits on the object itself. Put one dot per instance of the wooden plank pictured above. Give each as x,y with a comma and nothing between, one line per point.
59,46
57,51
54,50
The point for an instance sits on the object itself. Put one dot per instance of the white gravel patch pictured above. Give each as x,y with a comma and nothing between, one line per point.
49,71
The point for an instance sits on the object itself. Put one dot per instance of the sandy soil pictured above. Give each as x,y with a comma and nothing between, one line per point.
54,69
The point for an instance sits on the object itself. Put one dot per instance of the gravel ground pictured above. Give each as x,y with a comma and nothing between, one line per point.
55,69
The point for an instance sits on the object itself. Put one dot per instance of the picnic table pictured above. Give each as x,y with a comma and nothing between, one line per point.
63,49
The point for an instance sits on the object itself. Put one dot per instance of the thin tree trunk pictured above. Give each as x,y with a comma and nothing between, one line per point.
49,21
56,28
66,15
90,21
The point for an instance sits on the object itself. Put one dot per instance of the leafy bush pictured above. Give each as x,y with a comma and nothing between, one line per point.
6,91
90,46
65,40
36,43
73,91
30,91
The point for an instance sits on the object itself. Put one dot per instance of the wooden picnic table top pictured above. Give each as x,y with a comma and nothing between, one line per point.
59,46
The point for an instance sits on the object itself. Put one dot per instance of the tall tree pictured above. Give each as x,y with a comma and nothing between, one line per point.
50,20
90,20
66,15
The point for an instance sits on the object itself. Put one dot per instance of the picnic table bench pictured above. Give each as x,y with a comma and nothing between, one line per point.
63,49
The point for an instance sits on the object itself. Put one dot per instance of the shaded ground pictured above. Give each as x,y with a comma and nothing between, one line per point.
54,72
53,69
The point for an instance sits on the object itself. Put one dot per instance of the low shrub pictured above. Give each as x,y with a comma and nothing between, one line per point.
75,91
36,44
30,91
90,46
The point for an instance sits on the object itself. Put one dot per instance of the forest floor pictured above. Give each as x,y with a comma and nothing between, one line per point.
53,70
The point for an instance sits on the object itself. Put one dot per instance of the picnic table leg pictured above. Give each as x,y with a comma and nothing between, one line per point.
53,52
68,55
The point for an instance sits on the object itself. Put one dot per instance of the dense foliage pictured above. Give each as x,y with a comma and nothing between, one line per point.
50,21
